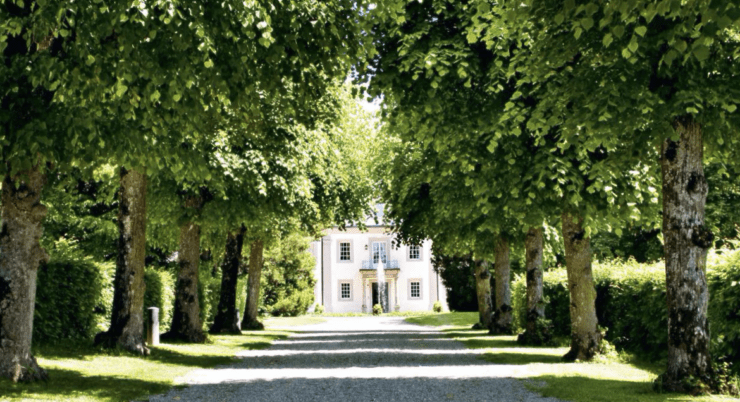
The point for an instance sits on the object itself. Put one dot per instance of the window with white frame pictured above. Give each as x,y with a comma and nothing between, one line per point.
345,251
415,289
345,291
415,252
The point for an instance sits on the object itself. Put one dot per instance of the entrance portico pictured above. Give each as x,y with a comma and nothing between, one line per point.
370,276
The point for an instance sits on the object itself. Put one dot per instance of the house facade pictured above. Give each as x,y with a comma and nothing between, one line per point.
356,270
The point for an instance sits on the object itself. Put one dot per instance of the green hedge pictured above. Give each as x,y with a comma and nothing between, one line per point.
160,292
71,296
631,304
724,308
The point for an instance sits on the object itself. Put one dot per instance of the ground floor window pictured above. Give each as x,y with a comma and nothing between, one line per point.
415,289
345,291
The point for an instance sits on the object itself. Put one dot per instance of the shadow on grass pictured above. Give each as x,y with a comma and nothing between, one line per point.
68,384
521,358
184,359
599,390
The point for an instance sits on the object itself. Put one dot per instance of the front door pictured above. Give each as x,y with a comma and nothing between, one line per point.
379,252
377,298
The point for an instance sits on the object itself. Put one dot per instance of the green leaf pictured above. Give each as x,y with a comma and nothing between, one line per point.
681,46
641,30
618,31
208,63
120,89
701,52
608,39
587,23
90,60
559,18
633,45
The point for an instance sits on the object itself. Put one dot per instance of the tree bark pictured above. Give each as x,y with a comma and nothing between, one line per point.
227,316
585,335
483,290
186,325
537,331
502,317
253,287
686,240
20,256
127,321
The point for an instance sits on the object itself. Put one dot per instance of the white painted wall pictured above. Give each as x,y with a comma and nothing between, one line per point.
336,272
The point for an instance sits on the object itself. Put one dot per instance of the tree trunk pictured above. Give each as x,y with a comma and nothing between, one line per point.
186,325
585,335
483,290
253,287
502,318
127,320
537,330
686,242
227,317
20,255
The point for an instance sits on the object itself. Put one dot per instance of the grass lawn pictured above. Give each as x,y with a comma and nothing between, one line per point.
609,379
277,322
84,373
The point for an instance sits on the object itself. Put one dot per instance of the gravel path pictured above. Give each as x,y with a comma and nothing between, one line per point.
358,359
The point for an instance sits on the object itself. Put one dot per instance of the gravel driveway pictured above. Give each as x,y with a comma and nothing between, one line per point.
358,359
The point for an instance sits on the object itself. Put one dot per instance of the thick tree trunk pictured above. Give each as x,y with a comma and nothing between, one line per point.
537,330
127,321
686,242
20,255
227,316
186,325
253,287
483,290
585,335
502,317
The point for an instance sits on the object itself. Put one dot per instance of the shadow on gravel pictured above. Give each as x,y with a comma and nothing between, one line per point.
361,389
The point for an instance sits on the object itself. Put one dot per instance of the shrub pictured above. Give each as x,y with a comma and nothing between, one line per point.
437,307
287,282
70,296
319,309
377,309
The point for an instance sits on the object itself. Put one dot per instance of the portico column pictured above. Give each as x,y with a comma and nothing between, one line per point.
364,294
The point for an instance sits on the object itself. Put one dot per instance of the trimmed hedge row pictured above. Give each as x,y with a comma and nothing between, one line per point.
74,295
71,295
631,304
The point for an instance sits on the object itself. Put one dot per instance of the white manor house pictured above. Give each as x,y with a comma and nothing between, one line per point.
347,266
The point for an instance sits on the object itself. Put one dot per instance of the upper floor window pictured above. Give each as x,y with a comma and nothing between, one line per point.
415,252
345,251
379,254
